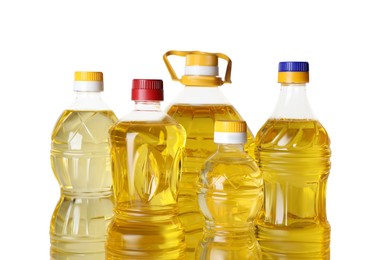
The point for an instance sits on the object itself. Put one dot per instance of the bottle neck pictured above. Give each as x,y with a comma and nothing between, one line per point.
147,105
201,95
293,103
145,111
231,148
88,100
87,95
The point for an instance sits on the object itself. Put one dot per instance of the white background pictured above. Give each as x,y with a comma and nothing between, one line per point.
347,44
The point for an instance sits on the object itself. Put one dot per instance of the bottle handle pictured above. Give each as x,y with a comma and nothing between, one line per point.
228,72
227,78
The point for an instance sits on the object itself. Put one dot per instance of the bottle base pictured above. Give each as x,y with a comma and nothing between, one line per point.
141,240
306,242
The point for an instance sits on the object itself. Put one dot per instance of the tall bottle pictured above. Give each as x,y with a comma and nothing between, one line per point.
146,151
230,194
293,152
81,162
196,108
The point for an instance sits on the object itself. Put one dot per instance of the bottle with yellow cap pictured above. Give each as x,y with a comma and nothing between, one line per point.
146,151
230,194
196,108
80,159
292,149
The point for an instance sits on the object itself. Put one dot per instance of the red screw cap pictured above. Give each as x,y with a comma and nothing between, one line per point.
147,89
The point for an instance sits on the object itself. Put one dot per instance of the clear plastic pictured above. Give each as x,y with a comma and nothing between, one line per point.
293,152
293,103
81,163
88,101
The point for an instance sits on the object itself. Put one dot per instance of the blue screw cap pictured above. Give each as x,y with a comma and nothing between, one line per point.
294,66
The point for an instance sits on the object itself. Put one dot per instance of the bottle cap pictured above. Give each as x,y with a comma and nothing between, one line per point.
202,69
230,132
147,89
293,72
88,81
201,59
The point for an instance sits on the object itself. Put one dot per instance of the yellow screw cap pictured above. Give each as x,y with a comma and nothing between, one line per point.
88,76
230,126
293,77
201,59
88,81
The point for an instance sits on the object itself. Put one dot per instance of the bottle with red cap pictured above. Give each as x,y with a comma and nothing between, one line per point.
80,158
196,108
293,152
146,152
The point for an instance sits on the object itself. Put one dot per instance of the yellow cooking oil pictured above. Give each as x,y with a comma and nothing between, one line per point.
146,157
80,160
198,121
294,157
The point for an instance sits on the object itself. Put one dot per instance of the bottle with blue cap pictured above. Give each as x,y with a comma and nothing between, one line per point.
80,159
293,153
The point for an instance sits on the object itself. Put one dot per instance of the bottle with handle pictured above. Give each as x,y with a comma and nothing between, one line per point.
81,162
196,108
293,153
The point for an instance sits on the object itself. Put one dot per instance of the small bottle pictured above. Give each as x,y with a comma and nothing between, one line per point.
230,195
80,159
146,151
196,108
292,149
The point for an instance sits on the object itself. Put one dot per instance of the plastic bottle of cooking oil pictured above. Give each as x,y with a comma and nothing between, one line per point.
230,194
293,152
80,159
196,108
146,151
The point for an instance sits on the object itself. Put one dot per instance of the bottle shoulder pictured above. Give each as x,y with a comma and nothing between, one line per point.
159,125
144,116
205,115
293,103
88,101
88,124
293,134
201,95
133,123
225,172
230,162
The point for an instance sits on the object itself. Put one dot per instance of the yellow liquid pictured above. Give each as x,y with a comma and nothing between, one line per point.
146,159
294,157
81,162
198,122
230,195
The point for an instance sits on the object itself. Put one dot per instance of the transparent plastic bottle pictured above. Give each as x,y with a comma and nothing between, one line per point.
81,162
146,150
196,108
292,149
230,194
